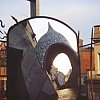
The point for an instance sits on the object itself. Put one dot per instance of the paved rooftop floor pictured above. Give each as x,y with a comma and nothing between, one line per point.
67,94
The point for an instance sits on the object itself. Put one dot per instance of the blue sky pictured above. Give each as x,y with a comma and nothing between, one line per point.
81,15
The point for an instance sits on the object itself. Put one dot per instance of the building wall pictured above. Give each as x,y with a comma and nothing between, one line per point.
97,48
2,69
85,53
85,59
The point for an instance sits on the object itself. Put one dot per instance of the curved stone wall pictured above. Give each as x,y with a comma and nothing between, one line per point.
33,60
48,39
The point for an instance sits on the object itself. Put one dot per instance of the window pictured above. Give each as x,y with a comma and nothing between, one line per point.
2,70
98,28
98,63
99,60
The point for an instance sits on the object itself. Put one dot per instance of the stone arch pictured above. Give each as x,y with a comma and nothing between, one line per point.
50,55
52,40
49,46
48,39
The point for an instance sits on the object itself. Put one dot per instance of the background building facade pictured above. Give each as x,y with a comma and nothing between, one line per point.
97,48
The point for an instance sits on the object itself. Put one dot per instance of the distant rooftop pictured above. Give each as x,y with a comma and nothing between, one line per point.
97,26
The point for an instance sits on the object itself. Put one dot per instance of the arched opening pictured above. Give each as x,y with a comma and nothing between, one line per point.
51,54
60,70
62,62
39,57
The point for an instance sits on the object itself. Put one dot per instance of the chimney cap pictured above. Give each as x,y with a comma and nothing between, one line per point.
97,26
32,0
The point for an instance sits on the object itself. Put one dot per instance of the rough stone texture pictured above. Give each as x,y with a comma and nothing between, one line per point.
36,79
16,88
33,75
